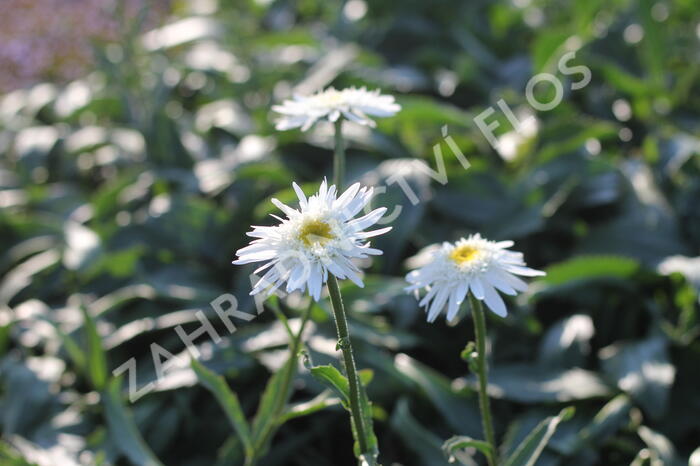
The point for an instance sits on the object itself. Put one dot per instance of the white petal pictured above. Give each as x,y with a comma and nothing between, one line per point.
477,287
346,197
288,211
455,301
494,301
367,220
370,234
300,194
524,271
315,282
438,304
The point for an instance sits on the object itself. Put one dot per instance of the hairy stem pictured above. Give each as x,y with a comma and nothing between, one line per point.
341,324
484,407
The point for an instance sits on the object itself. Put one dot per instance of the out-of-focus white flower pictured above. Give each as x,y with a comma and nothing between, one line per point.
352,103
449,271
687,266
321,237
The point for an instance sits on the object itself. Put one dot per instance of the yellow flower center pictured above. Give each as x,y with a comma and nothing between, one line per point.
332,98
463,254
315,231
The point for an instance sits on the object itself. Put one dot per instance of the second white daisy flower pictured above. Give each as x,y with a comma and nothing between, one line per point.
321,237
451,270
354,104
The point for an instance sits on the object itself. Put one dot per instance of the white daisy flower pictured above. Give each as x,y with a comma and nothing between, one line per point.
449,271
321,237
352,103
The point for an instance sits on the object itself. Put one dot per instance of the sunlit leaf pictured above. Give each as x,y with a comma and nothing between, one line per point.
527,453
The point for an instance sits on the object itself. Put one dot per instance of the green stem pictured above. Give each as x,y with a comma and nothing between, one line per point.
294,347
339,156
480,331
341,324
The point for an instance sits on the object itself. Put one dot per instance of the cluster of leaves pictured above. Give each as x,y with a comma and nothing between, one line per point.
125,194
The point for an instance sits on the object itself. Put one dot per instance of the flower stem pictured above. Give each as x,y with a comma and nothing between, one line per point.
480,331
341,324
339,156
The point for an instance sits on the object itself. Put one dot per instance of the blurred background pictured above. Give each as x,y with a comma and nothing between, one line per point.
138,146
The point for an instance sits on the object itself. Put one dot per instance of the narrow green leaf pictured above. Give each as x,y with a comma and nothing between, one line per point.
123,430
531,448
333,379
590,267
321,401
423,443
228,401
4,338
461,412
366,376
96,357
271,402
366,409
72,347
271,409
460,442
607,421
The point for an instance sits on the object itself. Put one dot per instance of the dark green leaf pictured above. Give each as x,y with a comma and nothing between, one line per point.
531,448
123,429
228,401
96,356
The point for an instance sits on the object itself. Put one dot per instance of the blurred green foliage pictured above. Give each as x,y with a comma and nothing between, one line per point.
125,194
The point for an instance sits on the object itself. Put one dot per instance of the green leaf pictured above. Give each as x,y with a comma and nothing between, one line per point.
531,448
613,416
402,215
228,401
321,401
75,353
460,442
421,441
589,267
547,49
5,334
366,408
645,229
266,416
333,379
642,369
123,430
366,376
96,357
457,409
10,457
525,383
